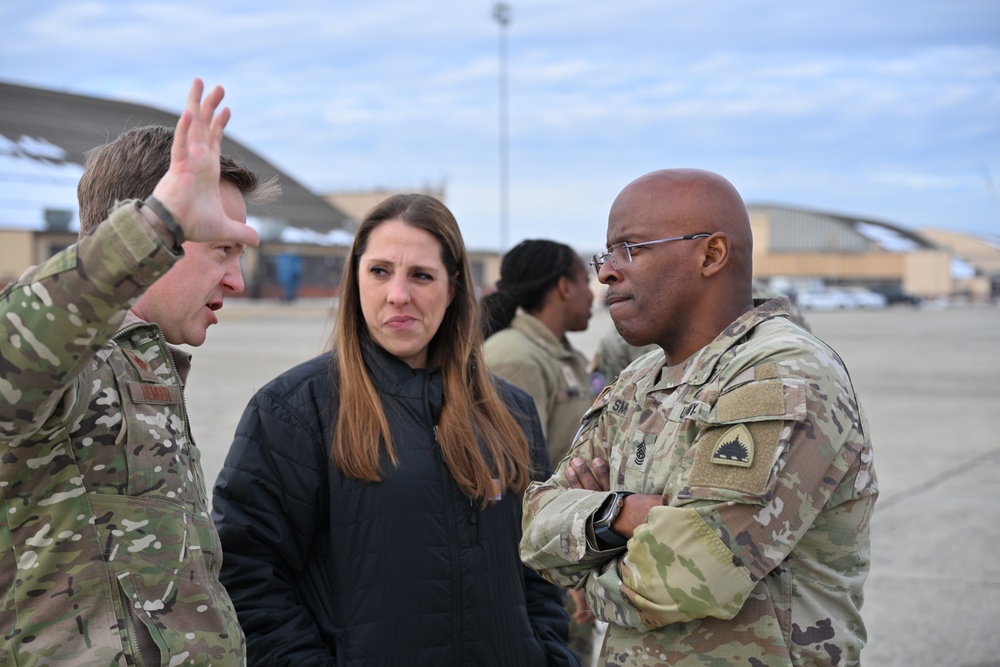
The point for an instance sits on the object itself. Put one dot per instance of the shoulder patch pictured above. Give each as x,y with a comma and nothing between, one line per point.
734,448
737,457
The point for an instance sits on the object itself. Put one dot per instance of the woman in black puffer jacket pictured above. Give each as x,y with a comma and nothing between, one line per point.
370,506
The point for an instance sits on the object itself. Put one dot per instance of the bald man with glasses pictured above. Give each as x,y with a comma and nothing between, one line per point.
715,506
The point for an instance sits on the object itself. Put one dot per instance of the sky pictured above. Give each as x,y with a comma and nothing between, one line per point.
884,110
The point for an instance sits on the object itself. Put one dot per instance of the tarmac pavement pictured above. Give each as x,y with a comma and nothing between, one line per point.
929,381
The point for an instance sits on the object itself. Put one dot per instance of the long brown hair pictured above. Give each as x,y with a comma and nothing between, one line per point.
479,438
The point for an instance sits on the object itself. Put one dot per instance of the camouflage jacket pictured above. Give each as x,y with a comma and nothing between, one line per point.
760,449
614,354
107,548
554,373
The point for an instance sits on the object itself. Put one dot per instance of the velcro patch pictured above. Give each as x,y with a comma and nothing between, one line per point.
162,394
765,398
720,463
766,371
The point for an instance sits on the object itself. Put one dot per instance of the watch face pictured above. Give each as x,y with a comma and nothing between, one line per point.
611,511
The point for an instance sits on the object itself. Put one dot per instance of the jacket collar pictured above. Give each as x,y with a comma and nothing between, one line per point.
391,376
700,366
541,335
182,358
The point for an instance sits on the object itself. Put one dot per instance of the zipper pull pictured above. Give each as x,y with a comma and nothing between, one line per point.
474,520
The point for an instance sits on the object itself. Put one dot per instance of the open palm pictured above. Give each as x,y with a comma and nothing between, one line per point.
190,188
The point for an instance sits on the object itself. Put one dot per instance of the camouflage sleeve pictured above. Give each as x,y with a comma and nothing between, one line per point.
55,318
703,553
554,537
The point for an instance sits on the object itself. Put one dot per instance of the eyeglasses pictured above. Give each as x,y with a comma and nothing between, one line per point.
621,253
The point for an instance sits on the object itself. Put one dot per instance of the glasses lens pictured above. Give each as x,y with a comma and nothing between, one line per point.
619,255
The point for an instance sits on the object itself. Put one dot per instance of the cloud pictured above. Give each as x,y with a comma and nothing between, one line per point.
878,109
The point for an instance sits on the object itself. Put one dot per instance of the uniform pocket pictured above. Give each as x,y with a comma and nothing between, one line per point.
143,638
158,452
166,562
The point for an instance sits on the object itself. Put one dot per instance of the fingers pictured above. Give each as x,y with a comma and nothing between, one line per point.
199,117
214,122
194,96
603,474
204,110
191,110
211,103
218,125
579,476
245,234
195,118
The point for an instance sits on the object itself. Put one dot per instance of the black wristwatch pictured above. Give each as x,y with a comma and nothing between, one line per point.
603,518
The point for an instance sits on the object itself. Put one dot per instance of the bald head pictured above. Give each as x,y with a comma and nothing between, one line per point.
682,294
692,201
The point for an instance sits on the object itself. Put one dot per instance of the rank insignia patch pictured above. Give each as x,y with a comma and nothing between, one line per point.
734,448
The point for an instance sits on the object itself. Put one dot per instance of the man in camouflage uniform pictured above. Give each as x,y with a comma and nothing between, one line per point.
107,554
716,505
614,354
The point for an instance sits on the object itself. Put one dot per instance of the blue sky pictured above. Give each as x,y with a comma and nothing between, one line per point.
886,110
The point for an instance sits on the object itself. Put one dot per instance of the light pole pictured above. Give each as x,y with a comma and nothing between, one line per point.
501,13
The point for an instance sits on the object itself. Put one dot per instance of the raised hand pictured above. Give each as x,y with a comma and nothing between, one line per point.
190,188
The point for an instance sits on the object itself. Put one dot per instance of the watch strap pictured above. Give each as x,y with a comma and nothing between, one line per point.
606,535
168,219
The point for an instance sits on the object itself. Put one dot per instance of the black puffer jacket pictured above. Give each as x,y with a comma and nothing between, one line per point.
326,570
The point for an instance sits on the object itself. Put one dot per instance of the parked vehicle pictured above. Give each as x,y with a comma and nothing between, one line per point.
825,299
865,298
895,294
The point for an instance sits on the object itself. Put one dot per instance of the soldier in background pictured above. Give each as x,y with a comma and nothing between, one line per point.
107,553
614,354
543,293
716,505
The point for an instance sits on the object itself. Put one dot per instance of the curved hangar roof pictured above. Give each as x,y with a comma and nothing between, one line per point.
801,230
78,123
